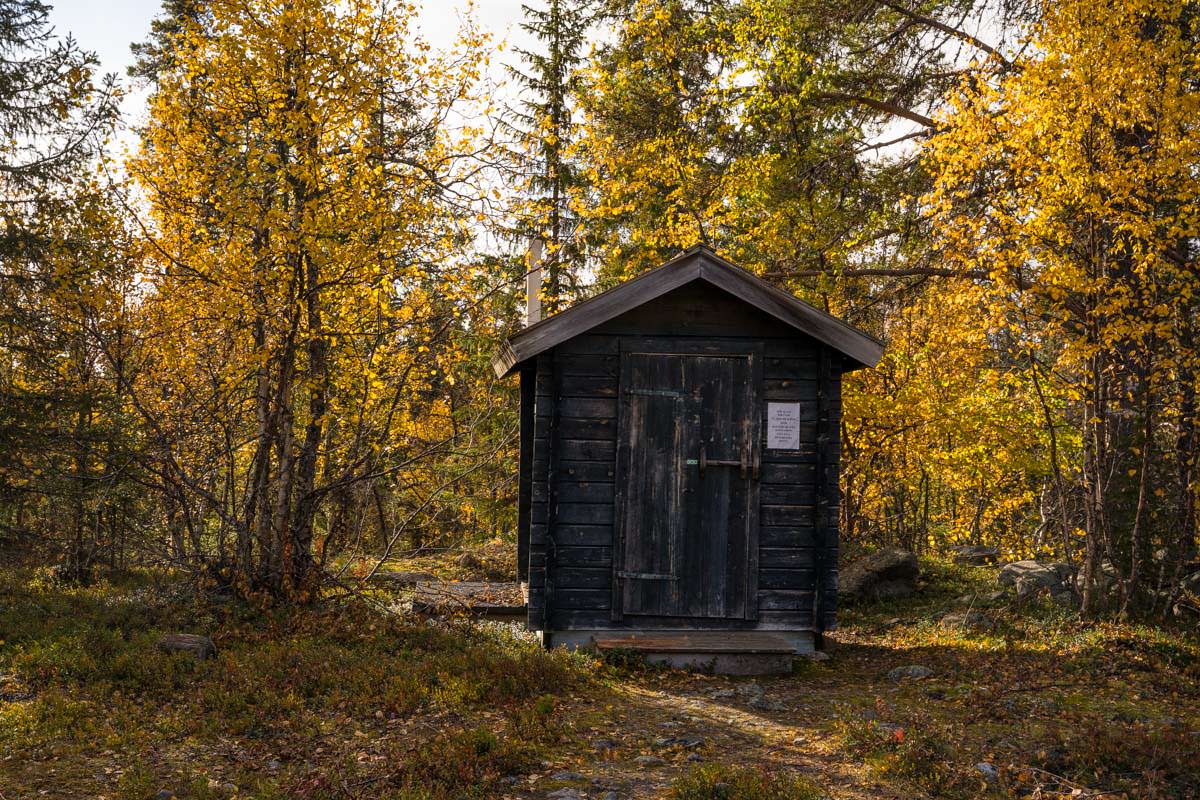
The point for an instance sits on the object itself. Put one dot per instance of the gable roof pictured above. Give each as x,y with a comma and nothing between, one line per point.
698,262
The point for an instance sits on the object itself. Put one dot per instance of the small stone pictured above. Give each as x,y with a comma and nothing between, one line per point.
164,794
611,796
818,655
201,647
274,765
913,671
689,744
976,555
649,761
988,771
565,794
664,741
469,560
967,620
722,694
509,780
566,775
695,757
750,690
606,744
767,704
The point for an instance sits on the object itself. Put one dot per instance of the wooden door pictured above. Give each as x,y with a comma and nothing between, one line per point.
687,475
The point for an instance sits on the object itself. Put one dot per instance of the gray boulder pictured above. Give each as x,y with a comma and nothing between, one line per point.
1065,598
201,647
884,574
976,555
1028,587
1044,574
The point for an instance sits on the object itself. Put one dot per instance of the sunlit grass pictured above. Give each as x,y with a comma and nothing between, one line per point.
337,682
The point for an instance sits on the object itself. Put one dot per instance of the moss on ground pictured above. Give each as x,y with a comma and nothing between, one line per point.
343,701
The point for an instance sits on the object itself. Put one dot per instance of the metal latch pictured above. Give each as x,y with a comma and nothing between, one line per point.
647,576
706,462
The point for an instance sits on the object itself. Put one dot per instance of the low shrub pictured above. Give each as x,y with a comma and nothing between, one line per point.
906,749
463,764
1143,758
720,782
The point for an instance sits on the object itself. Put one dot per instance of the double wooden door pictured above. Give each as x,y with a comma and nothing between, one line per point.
687,477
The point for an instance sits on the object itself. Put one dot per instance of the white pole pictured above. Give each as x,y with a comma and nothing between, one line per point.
533,282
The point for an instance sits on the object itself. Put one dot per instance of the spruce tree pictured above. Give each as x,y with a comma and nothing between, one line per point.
543,120
54,436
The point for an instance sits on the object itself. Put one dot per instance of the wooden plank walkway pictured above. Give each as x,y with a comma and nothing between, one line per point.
474,598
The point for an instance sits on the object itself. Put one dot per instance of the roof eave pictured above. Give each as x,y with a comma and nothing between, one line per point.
860,349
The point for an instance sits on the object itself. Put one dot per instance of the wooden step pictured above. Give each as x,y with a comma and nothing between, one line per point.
695,642
722,652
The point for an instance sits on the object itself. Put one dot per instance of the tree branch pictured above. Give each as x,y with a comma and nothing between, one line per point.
881,105
957,33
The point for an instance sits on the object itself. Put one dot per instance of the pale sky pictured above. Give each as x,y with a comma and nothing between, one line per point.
108,27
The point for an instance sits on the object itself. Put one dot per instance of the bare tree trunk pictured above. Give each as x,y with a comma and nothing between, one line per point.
318,380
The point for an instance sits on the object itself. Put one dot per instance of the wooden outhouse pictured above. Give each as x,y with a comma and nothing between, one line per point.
679,464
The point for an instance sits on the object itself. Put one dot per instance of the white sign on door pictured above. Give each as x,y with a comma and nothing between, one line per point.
783,426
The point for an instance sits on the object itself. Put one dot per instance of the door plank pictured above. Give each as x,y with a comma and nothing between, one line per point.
687,544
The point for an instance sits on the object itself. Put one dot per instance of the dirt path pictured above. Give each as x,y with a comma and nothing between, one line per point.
655,726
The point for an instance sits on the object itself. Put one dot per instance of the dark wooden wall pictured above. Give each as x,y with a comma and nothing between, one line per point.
572,499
